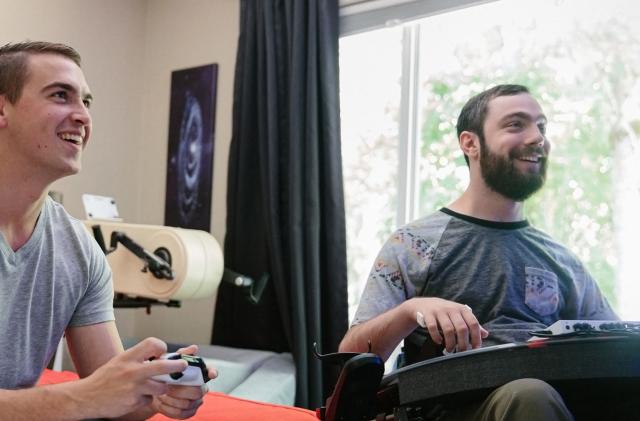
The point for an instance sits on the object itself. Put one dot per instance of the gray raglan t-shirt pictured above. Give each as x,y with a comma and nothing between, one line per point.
515,277
59,278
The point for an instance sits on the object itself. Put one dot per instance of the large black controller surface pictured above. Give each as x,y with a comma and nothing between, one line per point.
195,374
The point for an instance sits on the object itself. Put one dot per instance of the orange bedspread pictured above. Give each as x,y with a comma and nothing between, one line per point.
216,406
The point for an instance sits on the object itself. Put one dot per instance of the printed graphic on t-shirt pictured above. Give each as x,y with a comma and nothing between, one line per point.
541,291
406,253
413,243
393,277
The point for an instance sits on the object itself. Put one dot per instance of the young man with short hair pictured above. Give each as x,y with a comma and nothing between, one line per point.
54,279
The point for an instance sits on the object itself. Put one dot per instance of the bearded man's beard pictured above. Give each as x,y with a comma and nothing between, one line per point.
502,176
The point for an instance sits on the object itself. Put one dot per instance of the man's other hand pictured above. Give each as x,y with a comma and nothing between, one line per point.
449,323
182,402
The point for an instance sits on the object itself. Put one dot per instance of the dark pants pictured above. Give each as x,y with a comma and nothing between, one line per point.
519,400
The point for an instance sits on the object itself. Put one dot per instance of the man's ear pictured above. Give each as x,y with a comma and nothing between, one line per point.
470,144
3,111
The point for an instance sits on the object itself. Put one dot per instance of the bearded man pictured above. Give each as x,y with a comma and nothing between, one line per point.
476,273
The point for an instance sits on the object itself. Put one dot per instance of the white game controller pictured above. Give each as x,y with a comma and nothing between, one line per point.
194,375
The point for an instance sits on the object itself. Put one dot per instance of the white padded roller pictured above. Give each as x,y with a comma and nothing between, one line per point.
196,259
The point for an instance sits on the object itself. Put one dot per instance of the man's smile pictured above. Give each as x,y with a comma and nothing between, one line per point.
531,158
75,138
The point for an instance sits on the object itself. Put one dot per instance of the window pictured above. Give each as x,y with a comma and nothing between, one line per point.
402,89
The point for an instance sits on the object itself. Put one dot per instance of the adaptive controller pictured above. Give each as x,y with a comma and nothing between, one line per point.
195,374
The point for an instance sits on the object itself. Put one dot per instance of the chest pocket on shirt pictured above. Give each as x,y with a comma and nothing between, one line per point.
541,291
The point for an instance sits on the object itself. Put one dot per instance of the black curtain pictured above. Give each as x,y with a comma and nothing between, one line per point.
285,206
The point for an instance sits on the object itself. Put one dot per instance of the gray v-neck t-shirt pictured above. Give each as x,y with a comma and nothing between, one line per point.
58,279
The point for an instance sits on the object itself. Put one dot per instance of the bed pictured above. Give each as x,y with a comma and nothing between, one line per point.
217,406
256,375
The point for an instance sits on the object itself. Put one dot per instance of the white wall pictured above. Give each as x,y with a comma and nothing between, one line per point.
129,48
183,34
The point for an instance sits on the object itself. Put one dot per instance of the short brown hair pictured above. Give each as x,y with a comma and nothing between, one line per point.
474,112
14,68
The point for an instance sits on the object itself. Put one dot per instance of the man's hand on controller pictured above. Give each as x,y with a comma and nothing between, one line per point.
449,323
124,384
183,401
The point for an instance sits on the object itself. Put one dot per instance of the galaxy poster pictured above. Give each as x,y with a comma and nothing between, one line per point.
191,140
